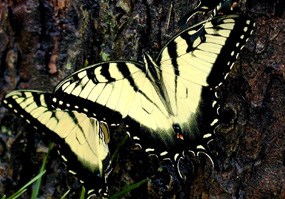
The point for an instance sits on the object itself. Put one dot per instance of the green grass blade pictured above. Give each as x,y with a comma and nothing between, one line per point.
120,145
82,194
128,189
38,182
24,188
65,194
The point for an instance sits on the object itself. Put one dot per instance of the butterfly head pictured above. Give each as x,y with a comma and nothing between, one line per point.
178,132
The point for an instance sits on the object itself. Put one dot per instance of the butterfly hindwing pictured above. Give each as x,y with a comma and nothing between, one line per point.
82,140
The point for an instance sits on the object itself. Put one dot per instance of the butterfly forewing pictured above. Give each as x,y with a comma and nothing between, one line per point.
81,138
129,93
214,48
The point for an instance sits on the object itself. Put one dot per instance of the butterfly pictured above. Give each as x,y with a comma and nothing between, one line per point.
172,98
83,141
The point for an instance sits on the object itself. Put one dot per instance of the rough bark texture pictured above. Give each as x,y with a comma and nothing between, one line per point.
43,41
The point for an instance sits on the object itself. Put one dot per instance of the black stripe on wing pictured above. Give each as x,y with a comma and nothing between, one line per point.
238,37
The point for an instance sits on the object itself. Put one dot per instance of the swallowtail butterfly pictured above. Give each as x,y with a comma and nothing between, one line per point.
172,98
